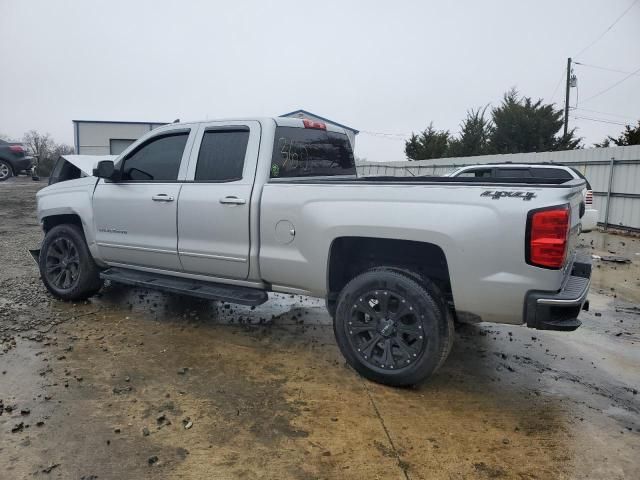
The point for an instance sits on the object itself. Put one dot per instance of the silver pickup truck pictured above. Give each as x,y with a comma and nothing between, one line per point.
230,210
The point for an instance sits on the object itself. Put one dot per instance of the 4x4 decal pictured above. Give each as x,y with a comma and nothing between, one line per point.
498,194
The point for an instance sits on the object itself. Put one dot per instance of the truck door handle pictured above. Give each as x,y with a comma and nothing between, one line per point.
231,200
162,197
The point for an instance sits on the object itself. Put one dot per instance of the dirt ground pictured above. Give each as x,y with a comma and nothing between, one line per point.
136,384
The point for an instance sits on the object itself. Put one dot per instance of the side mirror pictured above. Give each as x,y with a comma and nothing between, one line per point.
105,169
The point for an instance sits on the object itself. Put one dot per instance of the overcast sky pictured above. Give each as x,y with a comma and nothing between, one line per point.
378,66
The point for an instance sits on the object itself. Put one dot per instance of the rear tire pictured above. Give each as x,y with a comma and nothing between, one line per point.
66,266
392,328
6,172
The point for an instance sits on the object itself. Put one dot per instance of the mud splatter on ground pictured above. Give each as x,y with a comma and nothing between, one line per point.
137,384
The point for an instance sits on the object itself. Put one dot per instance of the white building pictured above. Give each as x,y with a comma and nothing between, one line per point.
109,137
106,137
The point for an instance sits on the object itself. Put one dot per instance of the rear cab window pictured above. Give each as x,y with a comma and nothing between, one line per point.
311,152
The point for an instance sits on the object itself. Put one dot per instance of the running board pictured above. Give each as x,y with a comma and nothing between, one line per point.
186,286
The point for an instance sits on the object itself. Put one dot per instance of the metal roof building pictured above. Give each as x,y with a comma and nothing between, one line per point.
107,137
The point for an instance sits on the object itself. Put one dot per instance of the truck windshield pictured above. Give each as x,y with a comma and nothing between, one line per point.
308,152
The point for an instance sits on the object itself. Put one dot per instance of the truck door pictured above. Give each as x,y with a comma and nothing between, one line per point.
213,211
135,217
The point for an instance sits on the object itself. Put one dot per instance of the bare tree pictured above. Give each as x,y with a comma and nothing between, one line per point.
39,144
45,149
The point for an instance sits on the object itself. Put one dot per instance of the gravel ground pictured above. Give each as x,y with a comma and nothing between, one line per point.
137,384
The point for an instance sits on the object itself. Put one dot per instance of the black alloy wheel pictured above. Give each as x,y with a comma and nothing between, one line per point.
385,330
66,266
62,263
393,326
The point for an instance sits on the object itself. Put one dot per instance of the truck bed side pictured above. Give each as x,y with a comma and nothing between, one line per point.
482,237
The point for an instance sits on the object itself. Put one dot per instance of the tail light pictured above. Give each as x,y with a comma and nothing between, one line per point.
16,148
547,237
588,199
312,124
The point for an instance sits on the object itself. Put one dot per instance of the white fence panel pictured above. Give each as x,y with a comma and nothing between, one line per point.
614,175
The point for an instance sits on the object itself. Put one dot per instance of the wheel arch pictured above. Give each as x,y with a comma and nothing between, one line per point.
54,220
56,217
350,256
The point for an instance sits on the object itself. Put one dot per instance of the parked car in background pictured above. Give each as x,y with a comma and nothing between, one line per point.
13,160
538,170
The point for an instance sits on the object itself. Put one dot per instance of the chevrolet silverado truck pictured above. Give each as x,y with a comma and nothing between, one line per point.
231,210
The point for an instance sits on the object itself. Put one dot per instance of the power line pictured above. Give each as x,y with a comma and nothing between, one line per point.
390,136
628,117
591,119
607,30
555,90
601,68
612,86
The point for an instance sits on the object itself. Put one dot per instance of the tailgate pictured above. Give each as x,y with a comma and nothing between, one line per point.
577,208
559,309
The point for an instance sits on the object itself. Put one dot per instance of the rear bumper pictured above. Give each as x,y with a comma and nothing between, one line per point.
22,164
560,310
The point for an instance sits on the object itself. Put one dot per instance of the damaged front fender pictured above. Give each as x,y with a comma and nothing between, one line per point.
71,167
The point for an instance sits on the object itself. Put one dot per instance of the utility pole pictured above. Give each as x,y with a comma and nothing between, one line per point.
566,98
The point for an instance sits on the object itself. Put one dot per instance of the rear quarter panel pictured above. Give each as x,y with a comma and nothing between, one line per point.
483,239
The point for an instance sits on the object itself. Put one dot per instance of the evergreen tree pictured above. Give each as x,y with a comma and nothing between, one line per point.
517,125
431,143
475,131
629,136
522,125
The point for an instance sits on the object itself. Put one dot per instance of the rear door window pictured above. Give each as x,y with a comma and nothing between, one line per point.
221,156
158,159
309,152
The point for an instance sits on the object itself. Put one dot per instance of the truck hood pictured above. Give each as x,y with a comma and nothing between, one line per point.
87,163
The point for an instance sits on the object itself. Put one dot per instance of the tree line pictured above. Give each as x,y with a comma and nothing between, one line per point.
518,125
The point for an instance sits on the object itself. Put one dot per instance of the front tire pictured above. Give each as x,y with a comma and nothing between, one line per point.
66,266
392,328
